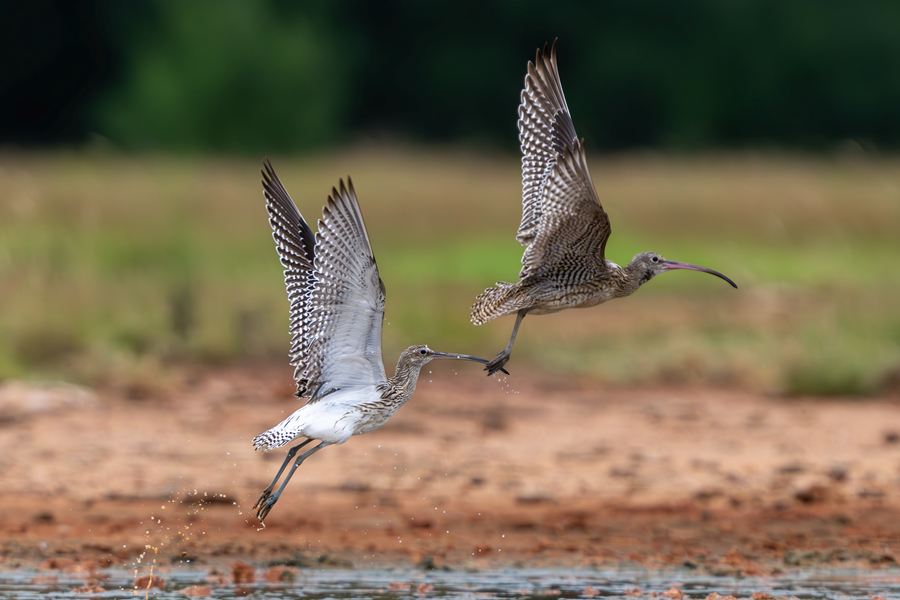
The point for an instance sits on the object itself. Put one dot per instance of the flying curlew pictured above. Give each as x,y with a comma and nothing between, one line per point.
564,227
337,312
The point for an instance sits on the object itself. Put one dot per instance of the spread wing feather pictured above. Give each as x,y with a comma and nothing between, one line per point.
346,303
553,157
296,249
574,228
545,128
335,292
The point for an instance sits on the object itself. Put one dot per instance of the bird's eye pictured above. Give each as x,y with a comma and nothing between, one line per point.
423,352
655,259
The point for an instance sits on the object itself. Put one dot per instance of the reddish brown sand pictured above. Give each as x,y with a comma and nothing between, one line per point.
538,470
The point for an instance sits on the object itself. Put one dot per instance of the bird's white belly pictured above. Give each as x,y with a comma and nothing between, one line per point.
334,428
338,416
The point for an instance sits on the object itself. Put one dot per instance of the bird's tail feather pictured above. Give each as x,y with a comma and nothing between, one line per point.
497,301
271,439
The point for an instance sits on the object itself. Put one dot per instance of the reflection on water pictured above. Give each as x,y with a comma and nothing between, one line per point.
514,583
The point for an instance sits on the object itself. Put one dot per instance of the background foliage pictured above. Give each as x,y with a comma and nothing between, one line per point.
252,77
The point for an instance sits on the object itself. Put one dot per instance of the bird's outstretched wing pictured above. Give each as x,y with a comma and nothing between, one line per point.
295,243
336,295
559,203
346,302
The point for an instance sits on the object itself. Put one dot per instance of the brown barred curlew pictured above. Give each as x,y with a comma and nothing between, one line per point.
564,227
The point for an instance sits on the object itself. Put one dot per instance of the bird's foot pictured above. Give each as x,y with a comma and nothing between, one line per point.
265,505
263,497
497,363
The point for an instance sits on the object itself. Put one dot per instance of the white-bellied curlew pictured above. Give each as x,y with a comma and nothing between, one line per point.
564,226
337,312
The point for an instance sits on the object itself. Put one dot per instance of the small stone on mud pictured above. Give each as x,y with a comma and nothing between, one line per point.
196,591
837,473
733,557
421,523
797,558
792,468
57,563
708,493
814,494
90,588
298,560
281,574
43,517
216,578
335,561
877,558
241,572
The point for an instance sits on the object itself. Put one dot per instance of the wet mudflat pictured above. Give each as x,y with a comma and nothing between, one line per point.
545,475
509,583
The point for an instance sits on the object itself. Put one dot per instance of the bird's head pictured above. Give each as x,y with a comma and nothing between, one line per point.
647,265
417,355
422,355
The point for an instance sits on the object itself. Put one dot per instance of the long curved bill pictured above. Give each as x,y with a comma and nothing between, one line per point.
446,355
671,265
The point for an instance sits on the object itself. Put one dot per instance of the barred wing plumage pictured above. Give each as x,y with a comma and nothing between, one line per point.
335,293
296,249
559,203
346,302
574,227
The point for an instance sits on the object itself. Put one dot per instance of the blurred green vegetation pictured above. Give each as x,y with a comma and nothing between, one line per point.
279,76
246,79
230,76
117,269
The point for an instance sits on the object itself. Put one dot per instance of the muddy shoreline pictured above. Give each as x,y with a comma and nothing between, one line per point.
536,471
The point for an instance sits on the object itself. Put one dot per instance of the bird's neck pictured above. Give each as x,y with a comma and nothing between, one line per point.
631,278
401,386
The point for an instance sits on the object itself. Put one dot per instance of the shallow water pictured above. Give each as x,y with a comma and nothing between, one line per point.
513,583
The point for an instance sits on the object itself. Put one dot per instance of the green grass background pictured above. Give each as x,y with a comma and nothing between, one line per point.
120,270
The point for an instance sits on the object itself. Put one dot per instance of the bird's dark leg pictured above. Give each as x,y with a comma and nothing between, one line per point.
270,500
501,359
268,491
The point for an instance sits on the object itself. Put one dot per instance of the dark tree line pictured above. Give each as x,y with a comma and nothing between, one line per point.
281,76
